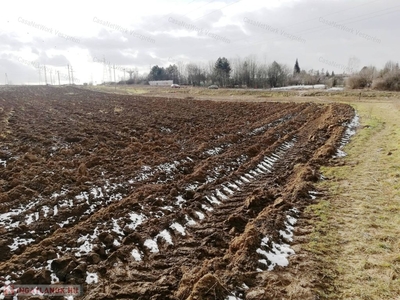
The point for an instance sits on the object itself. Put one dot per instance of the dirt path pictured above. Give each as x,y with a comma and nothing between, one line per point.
356,239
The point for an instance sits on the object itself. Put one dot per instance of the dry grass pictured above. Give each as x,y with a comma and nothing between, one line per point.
246,94
356,237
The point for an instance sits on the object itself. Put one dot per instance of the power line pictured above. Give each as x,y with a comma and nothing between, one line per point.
336,12
175,9
319,28
306,21
217,10
198,7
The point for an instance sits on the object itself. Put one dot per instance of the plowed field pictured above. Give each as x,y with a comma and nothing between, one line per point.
153,198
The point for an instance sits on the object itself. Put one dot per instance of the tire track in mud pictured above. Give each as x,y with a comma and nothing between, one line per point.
95,197
178,214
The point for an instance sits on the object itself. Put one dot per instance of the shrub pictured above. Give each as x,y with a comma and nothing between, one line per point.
357,82
389,82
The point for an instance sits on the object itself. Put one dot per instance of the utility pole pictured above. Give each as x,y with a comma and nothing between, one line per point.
51,77
58,73
115,82
104,70
69,77
45,75
72,75
6,79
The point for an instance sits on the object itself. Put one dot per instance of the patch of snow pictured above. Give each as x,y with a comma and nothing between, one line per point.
291,220
168,207
259,171
29,219
165,129
3,162
244,179
6,217
116,227
213,200
136,255
232,185
82,196
152,245
97,192
179,201
166,236
239,182
263,167
178,227
85,248
55,195
253,173
200,214
215,151
146,173
228,190
220,195
66,222
18,241
189,221
286,235
91,278
207,208
313,195
54,278
259,129
168,167
136,220
299,87
46,210
340,153
350,131
191,187
248,176
277,256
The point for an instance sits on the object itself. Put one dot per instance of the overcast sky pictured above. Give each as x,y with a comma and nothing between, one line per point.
334,35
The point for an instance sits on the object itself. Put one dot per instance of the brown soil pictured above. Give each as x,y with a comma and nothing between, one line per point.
161,198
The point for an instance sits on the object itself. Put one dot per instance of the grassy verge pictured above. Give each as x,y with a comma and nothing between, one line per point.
261,94
357,225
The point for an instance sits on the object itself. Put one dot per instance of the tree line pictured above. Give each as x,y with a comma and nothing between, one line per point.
247,72
250,73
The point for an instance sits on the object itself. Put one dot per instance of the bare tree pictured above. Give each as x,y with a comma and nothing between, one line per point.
195,74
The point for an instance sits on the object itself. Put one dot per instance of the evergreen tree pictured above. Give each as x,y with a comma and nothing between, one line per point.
157,73
296,68
222,70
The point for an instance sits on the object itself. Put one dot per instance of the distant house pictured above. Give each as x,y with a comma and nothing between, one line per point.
161,82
